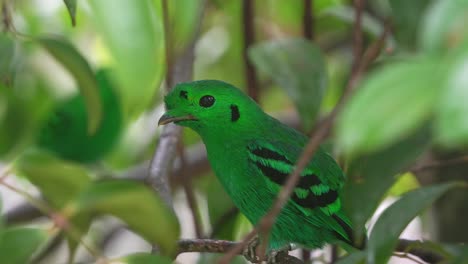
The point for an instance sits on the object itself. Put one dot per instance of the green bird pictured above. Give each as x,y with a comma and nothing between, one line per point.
252,154
65,131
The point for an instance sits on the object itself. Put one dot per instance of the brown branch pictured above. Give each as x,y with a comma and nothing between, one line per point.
308,20
372,52
439,164
167,44
357,34
416,248
187,185
24,212
249,39
222,246
179,70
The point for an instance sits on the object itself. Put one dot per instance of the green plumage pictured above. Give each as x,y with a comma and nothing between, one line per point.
252,154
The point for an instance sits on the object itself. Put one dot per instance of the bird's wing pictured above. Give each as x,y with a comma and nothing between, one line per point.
317,192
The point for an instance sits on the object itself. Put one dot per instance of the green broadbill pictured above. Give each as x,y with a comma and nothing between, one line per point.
252,154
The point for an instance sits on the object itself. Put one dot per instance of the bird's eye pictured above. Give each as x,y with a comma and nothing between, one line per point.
207,101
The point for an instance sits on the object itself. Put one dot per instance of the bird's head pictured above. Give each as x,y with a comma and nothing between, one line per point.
210,106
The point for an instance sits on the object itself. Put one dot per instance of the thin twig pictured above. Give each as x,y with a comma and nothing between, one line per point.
319,133
357,34
413,247
371,54
406,256
187,184
440,164
334,254
181,70
308,20
249,39
167,44
418,248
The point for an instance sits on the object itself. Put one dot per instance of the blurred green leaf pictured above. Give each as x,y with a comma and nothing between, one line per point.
391,104
12,121
183,20
18,244
59,181
451,126
462,258
65,134
71,6
406,20
136,205
298,66
395,218
22,109
370,176
143,258
71,59
358,257
132,30
443,26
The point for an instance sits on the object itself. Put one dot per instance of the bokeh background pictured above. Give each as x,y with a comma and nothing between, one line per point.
81,89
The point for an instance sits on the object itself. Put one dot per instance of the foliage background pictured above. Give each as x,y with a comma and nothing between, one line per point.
79,107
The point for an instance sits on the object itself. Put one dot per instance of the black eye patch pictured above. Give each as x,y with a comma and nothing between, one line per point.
183,94
235,115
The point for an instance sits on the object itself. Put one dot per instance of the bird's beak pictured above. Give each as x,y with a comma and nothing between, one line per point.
167,118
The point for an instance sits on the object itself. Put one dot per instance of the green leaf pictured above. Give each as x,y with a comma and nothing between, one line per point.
443,27
406,17
71,59
358,257
143,258
370,176
395,218
391,104
59,181
22,109
451,126
17,245
71,6
183,21
298,66
133,33
139,207
462,258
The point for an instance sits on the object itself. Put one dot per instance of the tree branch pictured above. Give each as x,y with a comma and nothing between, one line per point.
417,248
178,71
249,39
357,34
308,20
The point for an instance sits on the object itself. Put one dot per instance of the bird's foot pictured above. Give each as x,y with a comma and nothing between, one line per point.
250,251
277,256
273,257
